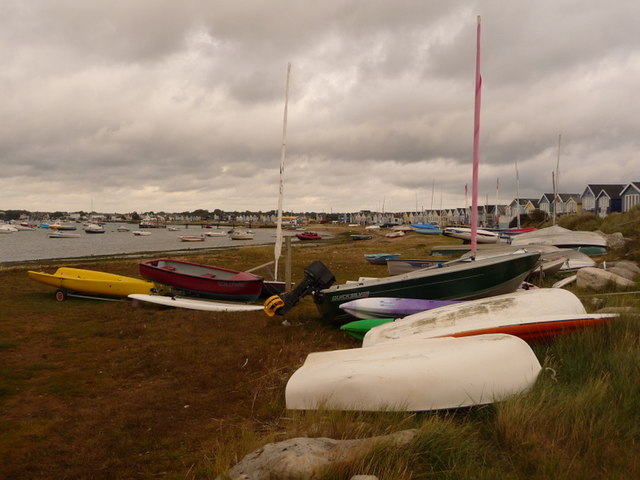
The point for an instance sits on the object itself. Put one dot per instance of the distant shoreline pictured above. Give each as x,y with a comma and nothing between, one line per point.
122,256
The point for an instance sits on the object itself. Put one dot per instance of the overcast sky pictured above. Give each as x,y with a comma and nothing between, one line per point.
161,105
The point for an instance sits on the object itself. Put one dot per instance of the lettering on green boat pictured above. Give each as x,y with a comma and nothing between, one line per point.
349,296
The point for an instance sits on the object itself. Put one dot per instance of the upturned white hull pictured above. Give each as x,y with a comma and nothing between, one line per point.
420,375
561,237
476,314
464,233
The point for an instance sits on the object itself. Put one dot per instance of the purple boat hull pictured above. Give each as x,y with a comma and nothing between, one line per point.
389,307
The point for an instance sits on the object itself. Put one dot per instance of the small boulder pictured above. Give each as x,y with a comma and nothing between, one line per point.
306,458
597,279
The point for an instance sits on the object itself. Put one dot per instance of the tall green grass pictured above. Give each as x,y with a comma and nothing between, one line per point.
580,420
626,223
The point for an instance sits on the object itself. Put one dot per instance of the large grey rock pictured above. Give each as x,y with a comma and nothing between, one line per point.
597,279
306,458
626,264
614,240
623,272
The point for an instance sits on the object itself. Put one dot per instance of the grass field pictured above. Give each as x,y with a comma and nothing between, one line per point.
103,390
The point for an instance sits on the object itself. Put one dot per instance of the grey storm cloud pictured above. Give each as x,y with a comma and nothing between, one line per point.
178,105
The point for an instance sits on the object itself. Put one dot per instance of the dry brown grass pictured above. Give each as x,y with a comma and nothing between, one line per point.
95,389
101,390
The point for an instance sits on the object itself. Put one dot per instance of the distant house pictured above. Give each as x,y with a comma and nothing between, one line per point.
546,203
609,200
443,215
564,203
589,197
483,215
571,203
461,215
433,216
630,196
497,214
527,206
592,191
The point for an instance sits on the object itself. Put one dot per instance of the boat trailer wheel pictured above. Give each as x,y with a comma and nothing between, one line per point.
61,295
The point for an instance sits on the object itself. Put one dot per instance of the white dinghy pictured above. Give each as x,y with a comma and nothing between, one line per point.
423,375
483,313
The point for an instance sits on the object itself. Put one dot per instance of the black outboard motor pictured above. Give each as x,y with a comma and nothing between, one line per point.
316,277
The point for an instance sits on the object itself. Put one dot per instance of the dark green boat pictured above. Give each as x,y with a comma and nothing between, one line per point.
456,280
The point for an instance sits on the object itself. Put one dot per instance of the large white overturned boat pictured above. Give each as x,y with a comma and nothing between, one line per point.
592,243
422,375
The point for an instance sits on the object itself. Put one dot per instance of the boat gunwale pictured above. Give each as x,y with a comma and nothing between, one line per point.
453,266
190,269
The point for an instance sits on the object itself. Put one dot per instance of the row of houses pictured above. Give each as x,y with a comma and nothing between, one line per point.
598,199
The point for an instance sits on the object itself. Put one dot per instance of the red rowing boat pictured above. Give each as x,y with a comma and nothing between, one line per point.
206,280
308,236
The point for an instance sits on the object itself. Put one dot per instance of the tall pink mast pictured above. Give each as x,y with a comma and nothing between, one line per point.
476,148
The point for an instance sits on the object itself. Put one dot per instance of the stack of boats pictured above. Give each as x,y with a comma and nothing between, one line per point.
552,258
451,356
591,243
463,279
435,339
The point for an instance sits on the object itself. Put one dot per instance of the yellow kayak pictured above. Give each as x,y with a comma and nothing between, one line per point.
91,282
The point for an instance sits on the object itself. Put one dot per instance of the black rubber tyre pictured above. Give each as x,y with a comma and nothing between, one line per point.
61,295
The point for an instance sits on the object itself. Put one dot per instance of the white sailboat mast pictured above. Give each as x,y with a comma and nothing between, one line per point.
476,147
278,246
555,196
497,213
518,196
556,182
558,163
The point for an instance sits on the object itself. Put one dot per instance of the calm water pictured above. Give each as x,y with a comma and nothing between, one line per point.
36,245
